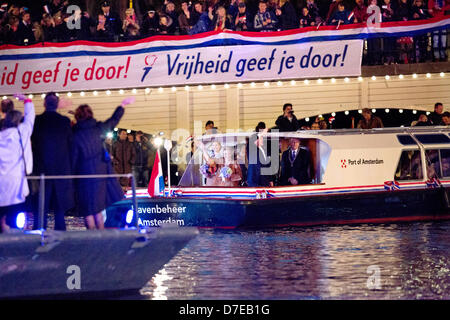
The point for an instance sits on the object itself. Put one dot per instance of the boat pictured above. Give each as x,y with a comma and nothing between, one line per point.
356,176
91,264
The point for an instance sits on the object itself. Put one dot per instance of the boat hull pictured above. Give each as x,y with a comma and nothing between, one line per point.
357,207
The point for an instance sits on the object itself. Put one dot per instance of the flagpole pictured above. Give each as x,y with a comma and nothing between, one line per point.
168,146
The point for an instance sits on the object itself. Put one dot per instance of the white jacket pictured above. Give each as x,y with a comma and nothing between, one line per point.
13,184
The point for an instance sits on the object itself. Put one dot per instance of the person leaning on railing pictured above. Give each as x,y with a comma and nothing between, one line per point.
89,157
16,161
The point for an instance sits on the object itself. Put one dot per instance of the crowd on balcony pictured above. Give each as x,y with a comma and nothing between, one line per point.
53,22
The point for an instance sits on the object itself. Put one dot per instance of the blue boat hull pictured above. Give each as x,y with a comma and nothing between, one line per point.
367,207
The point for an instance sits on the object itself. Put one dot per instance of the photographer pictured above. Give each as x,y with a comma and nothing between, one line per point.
287,121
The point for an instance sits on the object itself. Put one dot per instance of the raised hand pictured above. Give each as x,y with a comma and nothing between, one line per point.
20,96
127,101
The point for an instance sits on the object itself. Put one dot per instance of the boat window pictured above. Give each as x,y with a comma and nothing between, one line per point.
433,164
405,139
432,138
445,162
409,166
248,161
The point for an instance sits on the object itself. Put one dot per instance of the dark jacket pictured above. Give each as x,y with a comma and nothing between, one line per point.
435,119
25,32
285,125
374,122
52,144
150,26
288,17
300,170
124,156
94,195
142,150
243,22
258,159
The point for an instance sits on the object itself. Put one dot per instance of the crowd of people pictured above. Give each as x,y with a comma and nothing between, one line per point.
53,145
52,23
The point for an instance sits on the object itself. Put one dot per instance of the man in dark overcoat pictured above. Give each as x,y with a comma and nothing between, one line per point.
51,143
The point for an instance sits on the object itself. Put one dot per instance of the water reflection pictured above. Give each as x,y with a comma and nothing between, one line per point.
311,263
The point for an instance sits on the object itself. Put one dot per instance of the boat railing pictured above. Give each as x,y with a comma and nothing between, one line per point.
44,177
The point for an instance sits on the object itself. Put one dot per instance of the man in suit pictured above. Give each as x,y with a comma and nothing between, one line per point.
295,164
51,142
112,19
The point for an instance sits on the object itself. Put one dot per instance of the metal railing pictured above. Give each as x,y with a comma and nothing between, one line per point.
43,177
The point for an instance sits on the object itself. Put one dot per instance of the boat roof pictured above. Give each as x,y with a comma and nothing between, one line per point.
399,137
334,132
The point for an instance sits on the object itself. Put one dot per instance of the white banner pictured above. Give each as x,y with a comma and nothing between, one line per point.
81,67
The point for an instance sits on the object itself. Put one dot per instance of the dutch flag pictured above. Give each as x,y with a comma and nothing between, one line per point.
156,184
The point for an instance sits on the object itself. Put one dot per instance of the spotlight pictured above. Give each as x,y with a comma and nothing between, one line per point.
147,90
360,79
82,93
116,129
161,89
128,131
226,86
21,220
108,92
306,81
69,94
347,79
95,93
174,89
158,142
252,84
347,112
374,78
428,75
359,111
441,74
239,85
387,77
30,96
414,111
129,216
333,114
386,110
266,84
401,76
213,86
279,83
319,81
134,91
374,110
109,135
400,110
186,88
333,80
293,82
307,119
5,97
414,75
121,91
200,87
43,95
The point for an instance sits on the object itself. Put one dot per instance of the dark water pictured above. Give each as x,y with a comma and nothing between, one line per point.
410,260
336,262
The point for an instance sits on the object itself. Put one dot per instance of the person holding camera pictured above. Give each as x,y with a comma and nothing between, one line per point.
287,121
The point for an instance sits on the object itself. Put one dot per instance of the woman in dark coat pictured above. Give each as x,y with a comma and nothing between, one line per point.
89,157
